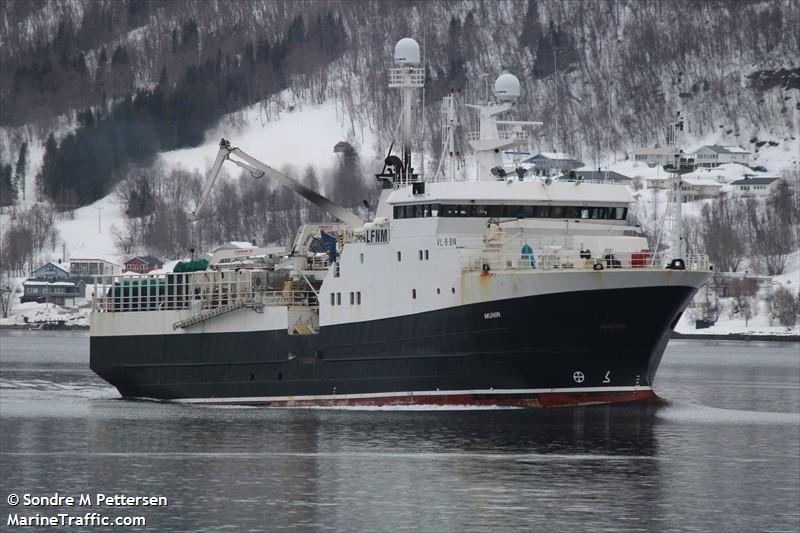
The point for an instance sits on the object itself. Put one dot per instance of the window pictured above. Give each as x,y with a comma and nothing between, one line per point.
361,257
438,290
427,257
414,293
571,212
338,298
420,255
542,211
358,298
399,257
453,290
352,298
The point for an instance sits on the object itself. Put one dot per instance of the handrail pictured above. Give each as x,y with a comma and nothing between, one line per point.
488,261
197,292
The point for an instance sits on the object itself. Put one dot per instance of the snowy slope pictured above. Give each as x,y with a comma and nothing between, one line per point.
303,136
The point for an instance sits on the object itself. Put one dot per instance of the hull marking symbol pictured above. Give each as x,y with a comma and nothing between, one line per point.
578,376
607,378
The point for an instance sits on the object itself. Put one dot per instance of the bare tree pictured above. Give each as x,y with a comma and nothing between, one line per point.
8,293
722,234
785,306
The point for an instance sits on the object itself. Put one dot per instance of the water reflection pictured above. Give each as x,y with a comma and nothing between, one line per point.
730,466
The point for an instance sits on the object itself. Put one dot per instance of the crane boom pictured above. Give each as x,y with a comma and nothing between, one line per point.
258,170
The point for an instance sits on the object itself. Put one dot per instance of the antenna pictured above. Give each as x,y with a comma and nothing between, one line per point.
555,82
485,77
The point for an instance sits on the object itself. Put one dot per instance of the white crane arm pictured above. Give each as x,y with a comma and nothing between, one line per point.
339,212
259,169
222,155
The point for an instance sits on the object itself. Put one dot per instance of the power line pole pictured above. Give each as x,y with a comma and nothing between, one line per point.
99,209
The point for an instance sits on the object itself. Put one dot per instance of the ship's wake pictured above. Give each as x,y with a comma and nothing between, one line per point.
689,413
38,388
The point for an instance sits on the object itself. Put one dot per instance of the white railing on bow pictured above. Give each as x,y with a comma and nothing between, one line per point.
559,261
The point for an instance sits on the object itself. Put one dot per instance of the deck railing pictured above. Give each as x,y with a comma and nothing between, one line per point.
542,262
506,135
195,291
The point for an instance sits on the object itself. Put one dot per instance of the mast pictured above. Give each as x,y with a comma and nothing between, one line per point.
680,165
407,76
490,141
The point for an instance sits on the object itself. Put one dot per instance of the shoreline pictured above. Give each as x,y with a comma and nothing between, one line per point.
734,337
675,335
27,327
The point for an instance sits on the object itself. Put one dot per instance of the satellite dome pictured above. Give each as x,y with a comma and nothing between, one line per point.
506,87
406,52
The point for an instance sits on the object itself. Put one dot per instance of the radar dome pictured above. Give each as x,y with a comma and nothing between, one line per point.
406,52
506,87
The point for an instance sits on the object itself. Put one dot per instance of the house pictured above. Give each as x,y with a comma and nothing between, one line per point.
694,188
86,268
51,272
714,155
551,163
142,264
62,292
654,156
607,176
756,186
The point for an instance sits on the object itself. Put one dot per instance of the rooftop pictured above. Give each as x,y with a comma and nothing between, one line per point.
754,181
724,149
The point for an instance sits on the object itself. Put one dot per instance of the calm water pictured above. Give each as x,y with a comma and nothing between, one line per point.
723,455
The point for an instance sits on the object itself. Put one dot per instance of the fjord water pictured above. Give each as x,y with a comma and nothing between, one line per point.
723,454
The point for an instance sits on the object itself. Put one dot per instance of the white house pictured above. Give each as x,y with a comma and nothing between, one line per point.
759,187
714,155
552,163
654,156
692,187
84,268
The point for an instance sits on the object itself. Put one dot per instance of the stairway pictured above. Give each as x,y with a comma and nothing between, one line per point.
213,313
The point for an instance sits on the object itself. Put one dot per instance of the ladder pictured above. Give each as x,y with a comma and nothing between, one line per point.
213,313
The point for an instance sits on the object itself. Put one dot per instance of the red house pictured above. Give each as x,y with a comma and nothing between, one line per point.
142,264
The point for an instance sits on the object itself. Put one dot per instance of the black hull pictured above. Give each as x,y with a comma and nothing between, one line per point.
593,346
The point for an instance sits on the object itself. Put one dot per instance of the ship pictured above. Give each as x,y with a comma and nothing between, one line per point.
511,288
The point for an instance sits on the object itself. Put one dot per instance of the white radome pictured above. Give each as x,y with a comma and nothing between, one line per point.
406,52
506,87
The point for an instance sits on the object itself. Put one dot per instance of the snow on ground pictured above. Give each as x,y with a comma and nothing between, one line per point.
761,323
33,313
88,235
304,136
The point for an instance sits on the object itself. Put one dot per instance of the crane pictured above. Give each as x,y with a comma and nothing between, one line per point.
258,170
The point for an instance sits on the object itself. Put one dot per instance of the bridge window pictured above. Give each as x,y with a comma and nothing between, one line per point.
509,211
